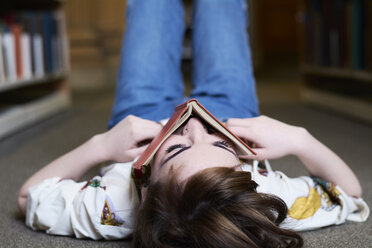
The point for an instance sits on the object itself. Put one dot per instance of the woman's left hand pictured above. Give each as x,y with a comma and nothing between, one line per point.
273,138
122,143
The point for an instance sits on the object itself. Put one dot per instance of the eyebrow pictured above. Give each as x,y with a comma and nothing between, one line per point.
178,152
227,149
188,147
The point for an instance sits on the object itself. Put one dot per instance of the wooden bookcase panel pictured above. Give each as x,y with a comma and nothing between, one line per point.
336,54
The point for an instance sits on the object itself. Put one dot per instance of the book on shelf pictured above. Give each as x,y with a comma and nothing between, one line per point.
26,55
37,41
337,33
2,66
16,30
357,33
368,35
32,45
9,55
46,19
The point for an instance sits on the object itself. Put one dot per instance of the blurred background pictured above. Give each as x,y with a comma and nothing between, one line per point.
313,51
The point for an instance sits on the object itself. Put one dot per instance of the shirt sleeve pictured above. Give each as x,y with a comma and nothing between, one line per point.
101,208
312,202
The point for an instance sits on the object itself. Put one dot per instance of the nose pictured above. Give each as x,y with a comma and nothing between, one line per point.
195,129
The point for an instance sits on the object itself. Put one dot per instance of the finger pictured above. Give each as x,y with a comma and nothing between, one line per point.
149,128
133,153
245,133
141,134
240,122
149,124
138,122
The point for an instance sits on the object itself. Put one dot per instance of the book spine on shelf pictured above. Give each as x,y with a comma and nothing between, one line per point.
26,41
9,55
340,25
2,69
63,43
368,34
54,42
303,20
26,56
38,47
17,33
47,41
309,29
336,34
29,27
328,34
318,37
349,32
357,35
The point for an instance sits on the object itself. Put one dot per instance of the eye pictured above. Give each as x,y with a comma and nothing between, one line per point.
174,147
222,143
210,130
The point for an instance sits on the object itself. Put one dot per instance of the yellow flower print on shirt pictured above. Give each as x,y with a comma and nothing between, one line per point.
323,195
305,207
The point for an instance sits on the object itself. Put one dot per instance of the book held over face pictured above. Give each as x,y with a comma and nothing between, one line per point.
141,170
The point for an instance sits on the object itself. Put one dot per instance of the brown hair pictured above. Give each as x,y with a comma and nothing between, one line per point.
216,207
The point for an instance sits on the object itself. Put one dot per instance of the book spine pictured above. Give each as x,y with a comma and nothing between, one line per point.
47,42
357,34
30,27
9,54
55,43
38,46
2,69
368,34
349,33
328,34
318,21
26,56
341,26
17,33
63,43
335,34
302,19
310,48
38,55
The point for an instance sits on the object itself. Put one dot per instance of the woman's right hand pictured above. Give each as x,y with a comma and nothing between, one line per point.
272,138
122,143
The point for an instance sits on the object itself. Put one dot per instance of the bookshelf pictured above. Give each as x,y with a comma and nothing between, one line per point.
34,62
335,43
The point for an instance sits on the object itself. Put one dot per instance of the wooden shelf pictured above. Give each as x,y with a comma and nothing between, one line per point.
20,116
350,106
357,75
22,83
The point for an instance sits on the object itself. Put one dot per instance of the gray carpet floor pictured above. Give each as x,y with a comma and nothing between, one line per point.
27,151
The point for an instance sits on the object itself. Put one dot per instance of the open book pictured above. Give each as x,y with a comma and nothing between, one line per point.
142,167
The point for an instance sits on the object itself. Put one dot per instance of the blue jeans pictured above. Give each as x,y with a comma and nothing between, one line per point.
150,83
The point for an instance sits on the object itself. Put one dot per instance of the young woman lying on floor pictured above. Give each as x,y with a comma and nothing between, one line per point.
200,193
